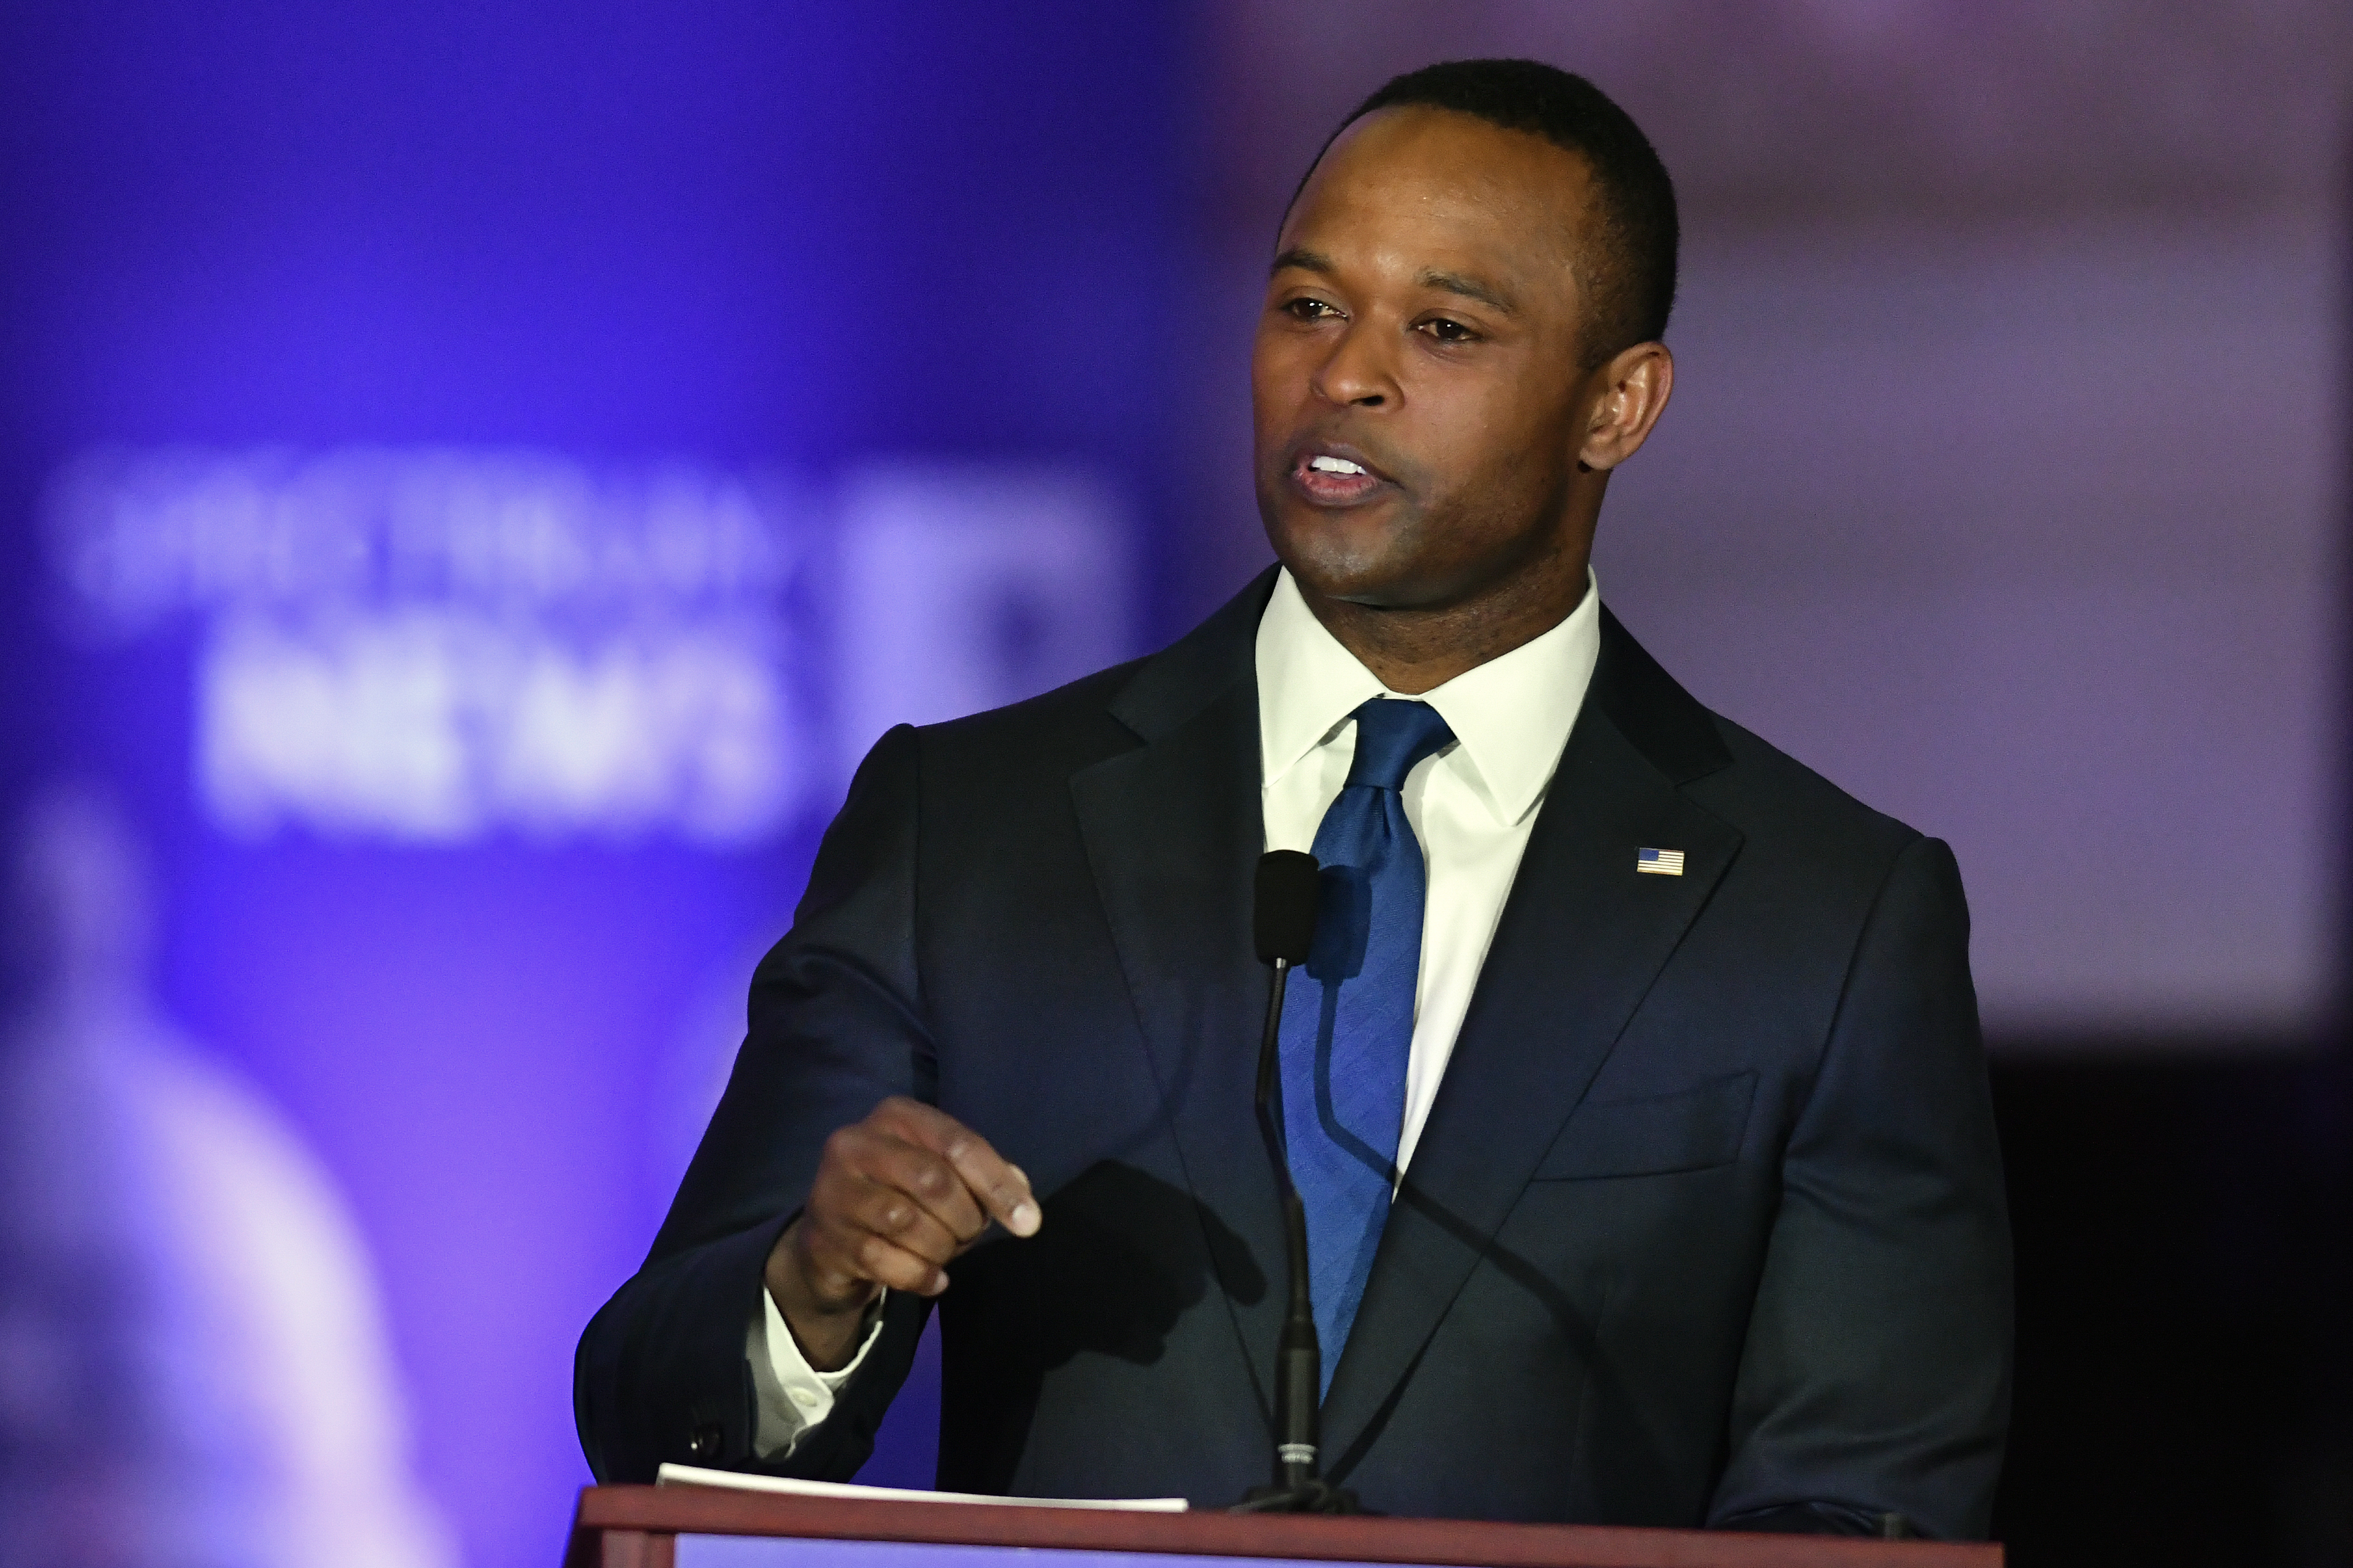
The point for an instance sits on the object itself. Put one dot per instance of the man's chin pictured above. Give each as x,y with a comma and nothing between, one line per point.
1359,553
1392,579
1374,583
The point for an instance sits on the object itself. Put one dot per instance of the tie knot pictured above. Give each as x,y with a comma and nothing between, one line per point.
1391,736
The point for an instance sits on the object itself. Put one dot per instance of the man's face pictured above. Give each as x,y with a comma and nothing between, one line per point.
1415,380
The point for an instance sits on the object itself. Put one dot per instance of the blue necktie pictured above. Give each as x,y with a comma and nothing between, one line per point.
1347,1018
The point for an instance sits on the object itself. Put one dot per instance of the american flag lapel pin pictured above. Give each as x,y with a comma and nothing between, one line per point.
1660,862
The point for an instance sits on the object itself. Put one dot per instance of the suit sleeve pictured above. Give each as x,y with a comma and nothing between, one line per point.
1876,1377
836,1026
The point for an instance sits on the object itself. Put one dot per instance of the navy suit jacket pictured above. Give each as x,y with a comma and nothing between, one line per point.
1706,1226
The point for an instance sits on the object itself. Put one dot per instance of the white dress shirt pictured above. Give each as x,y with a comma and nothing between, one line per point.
791,1395
1472,804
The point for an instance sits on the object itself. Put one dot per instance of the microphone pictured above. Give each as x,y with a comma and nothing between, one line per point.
1285,927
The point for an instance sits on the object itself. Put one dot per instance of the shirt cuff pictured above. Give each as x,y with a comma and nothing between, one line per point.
792,1395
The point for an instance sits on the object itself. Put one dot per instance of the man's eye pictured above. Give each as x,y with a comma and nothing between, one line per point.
1309,310
1447,331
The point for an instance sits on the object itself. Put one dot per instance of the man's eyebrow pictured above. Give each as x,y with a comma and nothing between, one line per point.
1316,261
1470,288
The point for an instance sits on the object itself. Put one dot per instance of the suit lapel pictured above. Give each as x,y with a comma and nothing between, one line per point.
1172,832
1581,938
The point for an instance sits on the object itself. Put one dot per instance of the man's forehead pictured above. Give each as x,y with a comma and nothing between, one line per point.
1446,177
1454,152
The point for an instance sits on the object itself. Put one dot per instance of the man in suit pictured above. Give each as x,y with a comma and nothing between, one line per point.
1634,1087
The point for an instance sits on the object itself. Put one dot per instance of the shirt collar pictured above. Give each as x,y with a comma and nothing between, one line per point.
1511,714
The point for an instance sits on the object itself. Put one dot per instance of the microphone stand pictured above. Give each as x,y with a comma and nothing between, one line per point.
1298,1485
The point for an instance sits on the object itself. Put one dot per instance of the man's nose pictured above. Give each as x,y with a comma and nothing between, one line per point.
1357,372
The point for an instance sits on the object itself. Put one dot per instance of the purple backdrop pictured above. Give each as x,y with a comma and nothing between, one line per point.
755,240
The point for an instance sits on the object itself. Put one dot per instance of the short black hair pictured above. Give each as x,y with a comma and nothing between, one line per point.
1634,283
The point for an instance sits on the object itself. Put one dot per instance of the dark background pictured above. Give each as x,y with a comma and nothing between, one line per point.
2185,1280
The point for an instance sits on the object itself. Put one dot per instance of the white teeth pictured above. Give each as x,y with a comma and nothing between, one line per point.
1333,465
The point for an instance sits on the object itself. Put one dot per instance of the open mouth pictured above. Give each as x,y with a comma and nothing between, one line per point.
1335,478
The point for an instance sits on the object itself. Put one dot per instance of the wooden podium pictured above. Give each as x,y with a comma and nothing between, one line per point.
638,1527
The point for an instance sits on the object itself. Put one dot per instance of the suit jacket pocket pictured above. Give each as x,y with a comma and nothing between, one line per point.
1688,1131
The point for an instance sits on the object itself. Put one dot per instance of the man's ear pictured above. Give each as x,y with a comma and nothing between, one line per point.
1629,393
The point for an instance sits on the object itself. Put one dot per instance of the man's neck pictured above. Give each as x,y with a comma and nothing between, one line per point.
1413,649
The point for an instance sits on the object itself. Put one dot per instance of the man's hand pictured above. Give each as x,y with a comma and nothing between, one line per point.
896,1197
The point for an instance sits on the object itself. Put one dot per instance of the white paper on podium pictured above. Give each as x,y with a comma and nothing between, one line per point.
690,1476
